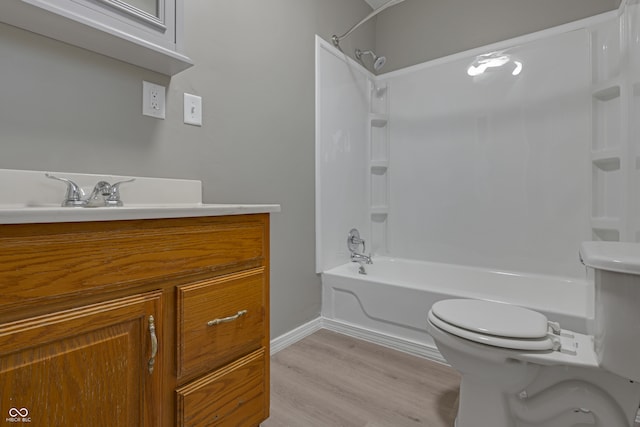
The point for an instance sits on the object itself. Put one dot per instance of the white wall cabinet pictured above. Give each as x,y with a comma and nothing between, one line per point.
147,33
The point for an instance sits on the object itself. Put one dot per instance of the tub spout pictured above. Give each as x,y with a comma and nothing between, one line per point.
361,258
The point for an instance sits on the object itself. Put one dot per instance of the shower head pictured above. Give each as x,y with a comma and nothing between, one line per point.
378,61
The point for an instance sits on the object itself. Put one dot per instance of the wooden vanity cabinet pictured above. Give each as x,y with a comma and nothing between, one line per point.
145,322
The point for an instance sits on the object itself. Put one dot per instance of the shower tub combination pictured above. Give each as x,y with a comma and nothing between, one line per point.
389,304
421,136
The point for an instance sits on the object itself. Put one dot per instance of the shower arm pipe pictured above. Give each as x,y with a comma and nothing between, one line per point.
336,39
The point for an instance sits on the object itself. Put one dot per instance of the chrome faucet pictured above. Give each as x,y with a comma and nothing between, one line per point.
103,194
362,260
353,243
97,197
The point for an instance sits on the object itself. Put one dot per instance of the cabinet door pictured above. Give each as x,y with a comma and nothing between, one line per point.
87,366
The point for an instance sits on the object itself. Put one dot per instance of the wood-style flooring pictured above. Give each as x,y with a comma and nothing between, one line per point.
332,380
328,379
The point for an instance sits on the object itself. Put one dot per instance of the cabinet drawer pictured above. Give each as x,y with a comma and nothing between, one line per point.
232,396
220,320
37,263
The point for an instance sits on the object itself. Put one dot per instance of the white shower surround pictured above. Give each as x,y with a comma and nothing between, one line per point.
492,171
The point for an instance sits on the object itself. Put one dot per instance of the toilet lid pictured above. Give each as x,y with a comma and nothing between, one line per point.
492,318
535,344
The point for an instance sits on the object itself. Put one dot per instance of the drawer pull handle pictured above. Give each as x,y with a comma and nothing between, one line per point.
154,343
227,319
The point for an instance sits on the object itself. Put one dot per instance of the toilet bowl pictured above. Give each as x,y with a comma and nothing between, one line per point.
520,370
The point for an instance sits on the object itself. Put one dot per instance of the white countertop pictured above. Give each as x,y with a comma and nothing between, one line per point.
30,197
30,215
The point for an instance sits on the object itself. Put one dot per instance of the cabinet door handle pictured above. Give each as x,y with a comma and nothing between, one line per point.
227,319
154,343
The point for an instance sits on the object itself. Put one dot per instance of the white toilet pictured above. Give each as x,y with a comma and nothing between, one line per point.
518,370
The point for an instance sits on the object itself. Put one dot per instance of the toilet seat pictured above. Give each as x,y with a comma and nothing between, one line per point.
494,324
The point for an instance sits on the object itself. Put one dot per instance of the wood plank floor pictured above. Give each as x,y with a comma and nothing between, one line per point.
328,379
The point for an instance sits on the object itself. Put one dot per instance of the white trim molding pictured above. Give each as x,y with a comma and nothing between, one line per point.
389,341
395,343
295,335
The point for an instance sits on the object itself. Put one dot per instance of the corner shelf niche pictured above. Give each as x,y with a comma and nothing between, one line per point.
609,147
378,165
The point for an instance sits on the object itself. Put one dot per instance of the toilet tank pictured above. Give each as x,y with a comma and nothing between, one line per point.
616,268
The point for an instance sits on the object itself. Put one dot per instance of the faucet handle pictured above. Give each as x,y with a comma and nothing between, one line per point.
113,199
74,192
354,241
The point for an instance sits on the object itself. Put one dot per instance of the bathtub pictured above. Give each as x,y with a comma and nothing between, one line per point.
389,304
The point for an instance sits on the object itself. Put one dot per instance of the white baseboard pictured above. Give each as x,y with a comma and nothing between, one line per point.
395,343
292,337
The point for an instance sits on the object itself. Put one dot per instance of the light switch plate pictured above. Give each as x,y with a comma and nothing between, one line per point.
153,100
192,109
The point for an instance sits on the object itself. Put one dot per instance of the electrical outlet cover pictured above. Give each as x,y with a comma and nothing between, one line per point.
153,100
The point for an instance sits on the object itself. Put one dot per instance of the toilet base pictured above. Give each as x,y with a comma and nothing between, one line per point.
507,388
554,399
482,405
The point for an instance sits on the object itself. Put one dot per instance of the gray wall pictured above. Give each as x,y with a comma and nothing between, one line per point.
66,109
416,31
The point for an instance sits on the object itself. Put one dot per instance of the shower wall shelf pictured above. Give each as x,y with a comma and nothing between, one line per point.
607,161
605,223
378,120
607,91
378,165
